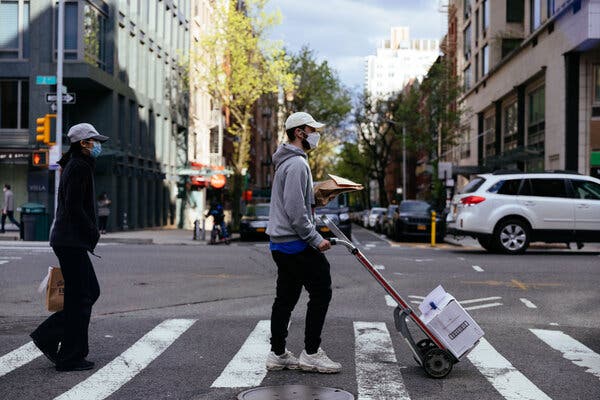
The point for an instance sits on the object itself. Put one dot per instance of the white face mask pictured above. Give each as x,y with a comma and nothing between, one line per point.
312,139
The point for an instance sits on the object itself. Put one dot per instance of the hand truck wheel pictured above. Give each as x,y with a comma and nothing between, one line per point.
437,363
423,346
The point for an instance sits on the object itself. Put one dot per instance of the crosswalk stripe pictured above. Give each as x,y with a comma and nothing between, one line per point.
571,349
389,300
18,357
247,368
505,378
3,262
377,372
133,360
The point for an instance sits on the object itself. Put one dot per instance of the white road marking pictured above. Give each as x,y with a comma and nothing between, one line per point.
571,349
416,297
505,378
377,373
479,300
379,267
3,262
553,323
10,258
477,268
46,249
247,368
389,300
131,362
18,357
423,260
370,245
528,303
483,306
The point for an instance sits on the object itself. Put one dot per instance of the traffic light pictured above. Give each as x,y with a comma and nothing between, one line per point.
46,129
39,158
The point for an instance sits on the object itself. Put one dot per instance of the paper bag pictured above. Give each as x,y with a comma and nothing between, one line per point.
327,190
55,290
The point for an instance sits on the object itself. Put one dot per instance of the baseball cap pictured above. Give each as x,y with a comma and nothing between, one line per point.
85,131
301,118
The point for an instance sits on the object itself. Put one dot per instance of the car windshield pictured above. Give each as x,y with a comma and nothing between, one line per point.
335,203
259,210
419,206
376,211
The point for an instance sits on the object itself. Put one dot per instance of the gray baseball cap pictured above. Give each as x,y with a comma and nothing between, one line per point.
85,131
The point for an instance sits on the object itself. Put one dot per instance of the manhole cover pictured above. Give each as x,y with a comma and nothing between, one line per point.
295,392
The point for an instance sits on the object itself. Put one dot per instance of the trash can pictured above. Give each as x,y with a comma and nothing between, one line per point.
34,222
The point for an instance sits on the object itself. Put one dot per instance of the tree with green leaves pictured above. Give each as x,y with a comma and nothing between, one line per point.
319,92
236,64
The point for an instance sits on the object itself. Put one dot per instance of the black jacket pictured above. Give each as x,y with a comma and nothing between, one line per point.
75,224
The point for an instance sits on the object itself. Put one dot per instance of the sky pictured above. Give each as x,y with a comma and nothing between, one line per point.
344,32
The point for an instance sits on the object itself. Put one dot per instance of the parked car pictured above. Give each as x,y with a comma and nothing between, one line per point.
374,215
388,220
337,211
505,212
365,218
254,222
413,220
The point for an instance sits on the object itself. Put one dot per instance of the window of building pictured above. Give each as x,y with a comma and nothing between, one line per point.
476,27
467,78
536,118
515,11
489,136
550,7
485,15
71,29
467,41
536,14
508,45
14,29
597,84
485,60
510,127
94,36
14,104
465,146
476,67
467,8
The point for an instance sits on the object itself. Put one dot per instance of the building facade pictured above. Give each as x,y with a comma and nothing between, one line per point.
531,74
397,61
123,62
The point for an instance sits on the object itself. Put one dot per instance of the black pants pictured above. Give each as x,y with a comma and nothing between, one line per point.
310,269
70,326
102,221
11,216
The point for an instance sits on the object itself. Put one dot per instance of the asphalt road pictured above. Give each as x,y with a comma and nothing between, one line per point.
191,322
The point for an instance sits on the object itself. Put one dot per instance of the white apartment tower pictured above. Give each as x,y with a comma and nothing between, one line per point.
398,60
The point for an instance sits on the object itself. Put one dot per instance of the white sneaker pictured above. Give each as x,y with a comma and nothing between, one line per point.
286,360
318,362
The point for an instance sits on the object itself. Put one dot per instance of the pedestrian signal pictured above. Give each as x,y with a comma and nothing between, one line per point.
39,158
46,129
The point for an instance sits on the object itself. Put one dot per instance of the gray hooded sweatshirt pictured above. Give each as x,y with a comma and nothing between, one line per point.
292,197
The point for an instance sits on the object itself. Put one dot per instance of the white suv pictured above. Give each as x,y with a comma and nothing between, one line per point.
506,211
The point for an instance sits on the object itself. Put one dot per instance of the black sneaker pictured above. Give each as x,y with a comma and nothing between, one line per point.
81,365
45,349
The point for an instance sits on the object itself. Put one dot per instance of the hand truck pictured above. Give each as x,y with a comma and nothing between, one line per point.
430,353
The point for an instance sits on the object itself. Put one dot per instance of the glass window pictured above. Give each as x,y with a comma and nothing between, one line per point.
94,36
545,188
536,118
515,11
71,28
550,8
24,121
485,60
467,41
25,30
489,135
485,15
508,187
9,104
476,26
597,83
9,29
536,14
586,190
473,185
510,127
467,78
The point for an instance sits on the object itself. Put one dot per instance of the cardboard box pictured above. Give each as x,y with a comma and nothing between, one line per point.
450,323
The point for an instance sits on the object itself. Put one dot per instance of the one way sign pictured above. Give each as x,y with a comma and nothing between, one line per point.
67,98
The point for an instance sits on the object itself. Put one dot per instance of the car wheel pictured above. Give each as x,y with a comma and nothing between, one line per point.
511,236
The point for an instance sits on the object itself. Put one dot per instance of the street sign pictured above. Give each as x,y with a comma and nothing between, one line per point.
68,98
45,80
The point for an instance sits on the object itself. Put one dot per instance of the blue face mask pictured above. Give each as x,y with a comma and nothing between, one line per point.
96,150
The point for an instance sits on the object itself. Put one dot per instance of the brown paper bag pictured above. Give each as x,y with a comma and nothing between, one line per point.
327,190
55,291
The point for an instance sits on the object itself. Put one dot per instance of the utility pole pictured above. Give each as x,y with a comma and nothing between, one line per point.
403,162
59,93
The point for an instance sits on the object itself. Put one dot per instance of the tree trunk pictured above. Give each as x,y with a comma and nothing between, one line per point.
236,199
383,200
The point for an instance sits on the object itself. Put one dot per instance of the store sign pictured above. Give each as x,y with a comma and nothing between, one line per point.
13,156
218,181
37,181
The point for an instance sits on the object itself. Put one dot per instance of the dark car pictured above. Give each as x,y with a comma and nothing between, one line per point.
388,220
338,213
254,222
413,220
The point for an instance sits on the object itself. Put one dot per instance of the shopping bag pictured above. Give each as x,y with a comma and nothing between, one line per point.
327,190
55,289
